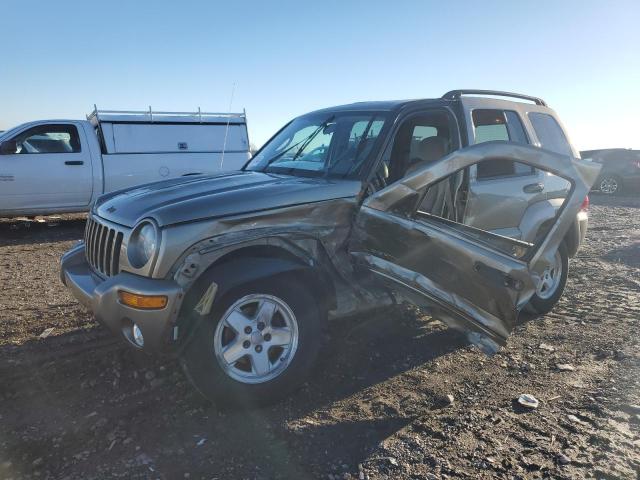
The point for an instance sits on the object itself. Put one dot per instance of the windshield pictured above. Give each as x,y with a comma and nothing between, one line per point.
7,133
331,144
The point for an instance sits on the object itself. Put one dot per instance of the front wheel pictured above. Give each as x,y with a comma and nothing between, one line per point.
257,345
552,284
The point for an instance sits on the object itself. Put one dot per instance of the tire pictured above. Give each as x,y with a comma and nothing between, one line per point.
610,185
544,300
242,383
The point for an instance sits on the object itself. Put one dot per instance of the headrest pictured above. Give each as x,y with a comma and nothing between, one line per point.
431,149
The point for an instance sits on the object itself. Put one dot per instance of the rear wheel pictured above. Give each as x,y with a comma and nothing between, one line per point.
257,345
610,185
552,284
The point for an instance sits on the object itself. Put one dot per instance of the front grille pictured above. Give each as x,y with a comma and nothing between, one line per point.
102,247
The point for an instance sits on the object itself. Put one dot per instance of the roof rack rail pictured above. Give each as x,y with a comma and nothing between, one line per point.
456,94
158,116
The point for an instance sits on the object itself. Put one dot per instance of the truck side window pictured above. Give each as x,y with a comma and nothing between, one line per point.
549,133
504,125
48,139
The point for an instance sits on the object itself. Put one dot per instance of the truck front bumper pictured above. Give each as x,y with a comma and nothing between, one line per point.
100,295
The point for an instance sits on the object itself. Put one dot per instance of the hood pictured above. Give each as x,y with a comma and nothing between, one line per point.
188,199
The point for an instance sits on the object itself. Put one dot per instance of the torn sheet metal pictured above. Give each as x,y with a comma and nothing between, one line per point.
315,233
482,286
465,282
203,307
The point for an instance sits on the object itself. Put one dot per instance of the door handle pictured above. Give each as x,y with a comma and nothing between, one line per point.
74,162
533,188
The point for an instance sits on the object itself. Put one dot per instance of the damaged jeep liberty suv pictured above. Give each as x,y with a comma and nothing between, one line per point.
468,206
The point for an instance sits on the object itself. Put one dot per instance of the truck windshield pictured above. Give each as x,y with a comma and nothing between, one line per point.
322,144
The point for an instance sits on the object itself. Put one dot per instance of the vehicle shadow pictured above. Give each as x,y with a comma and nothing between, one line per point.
628,255
80,378
49,230
623,200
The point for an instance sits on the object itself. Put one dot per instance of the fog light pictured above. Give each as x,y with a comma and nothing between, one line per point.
142,302
137,335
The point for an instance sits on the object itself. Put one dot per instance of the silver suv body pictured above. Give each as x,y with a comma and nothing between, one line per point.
466,206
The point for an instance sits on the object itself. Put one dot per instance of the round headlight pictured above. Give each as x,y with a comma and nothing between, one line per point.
142,244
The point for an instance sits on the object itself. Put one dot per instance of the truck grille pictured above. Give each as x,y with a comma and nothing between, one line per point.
102,247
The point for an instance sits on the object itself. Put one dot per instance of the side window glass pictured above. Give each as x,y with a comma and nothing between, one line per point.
515,128
489,125
48,139
505,125
549,133
502,215
421,139
420,133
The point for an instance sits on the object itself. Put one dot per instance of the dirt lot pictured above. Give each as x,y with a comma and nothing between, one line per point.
79,405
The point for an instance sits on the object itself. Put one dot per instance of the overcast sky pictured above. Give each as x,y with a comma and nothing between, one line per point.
289,57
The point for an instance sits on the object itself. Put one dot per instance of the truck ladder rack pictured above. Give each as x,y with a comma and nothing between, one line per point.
151,116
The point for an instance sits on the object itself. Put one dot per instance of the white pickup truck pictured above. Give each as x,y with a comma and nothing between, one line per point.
55,166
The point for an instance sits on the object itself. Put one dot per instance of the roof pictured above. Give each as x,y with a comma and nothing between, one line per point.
451,96
384,105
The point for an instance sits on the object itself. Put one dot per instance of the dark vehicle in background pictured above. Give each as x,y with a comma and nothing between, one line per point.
620,170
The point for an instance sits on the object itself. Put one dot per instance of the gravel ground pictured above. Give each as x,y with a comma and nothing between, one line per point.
395,396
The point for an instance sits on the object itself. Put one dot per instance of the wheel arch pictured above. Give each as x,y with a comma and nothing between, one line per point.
254,263
539,218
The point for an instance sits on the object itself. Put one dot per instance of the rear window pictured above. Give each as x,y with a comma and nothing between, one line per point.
549,133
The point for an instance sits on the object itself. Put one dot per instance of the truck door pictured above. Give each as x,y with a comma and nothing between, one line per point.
45,167
410,236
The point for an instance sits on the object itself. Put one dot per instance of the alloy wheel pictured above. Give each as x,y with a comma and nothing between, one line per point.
256,338
609,185
550,278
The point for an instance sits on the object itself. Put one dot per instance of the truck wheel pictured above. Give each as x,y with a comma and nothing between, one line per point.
257,345
552,285
610,185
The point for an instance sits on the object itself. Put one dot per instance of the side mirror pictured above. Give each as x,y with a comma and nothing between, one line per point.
8,147
385,171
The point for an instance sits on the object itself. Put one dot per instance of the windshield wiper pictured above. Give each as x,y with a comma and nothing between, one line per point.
305,141
312,136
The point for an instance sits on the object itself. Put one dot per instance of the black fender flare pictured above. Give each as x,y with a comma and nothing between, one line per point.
230,273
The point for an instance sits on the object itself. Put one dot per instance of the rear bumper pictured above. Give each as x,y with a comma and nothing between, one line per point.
577,233
101,297
583,225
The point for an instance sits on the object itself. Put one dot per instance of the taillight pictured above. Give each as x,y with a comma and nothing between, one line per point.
585,204
638,164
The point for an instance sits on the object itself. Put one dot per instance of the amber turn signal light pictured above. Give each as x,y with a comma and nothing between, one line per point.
142,302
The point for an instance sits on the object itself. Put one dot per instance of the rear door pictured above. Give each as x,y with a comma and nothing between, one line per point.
518,185
407,236
48,168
